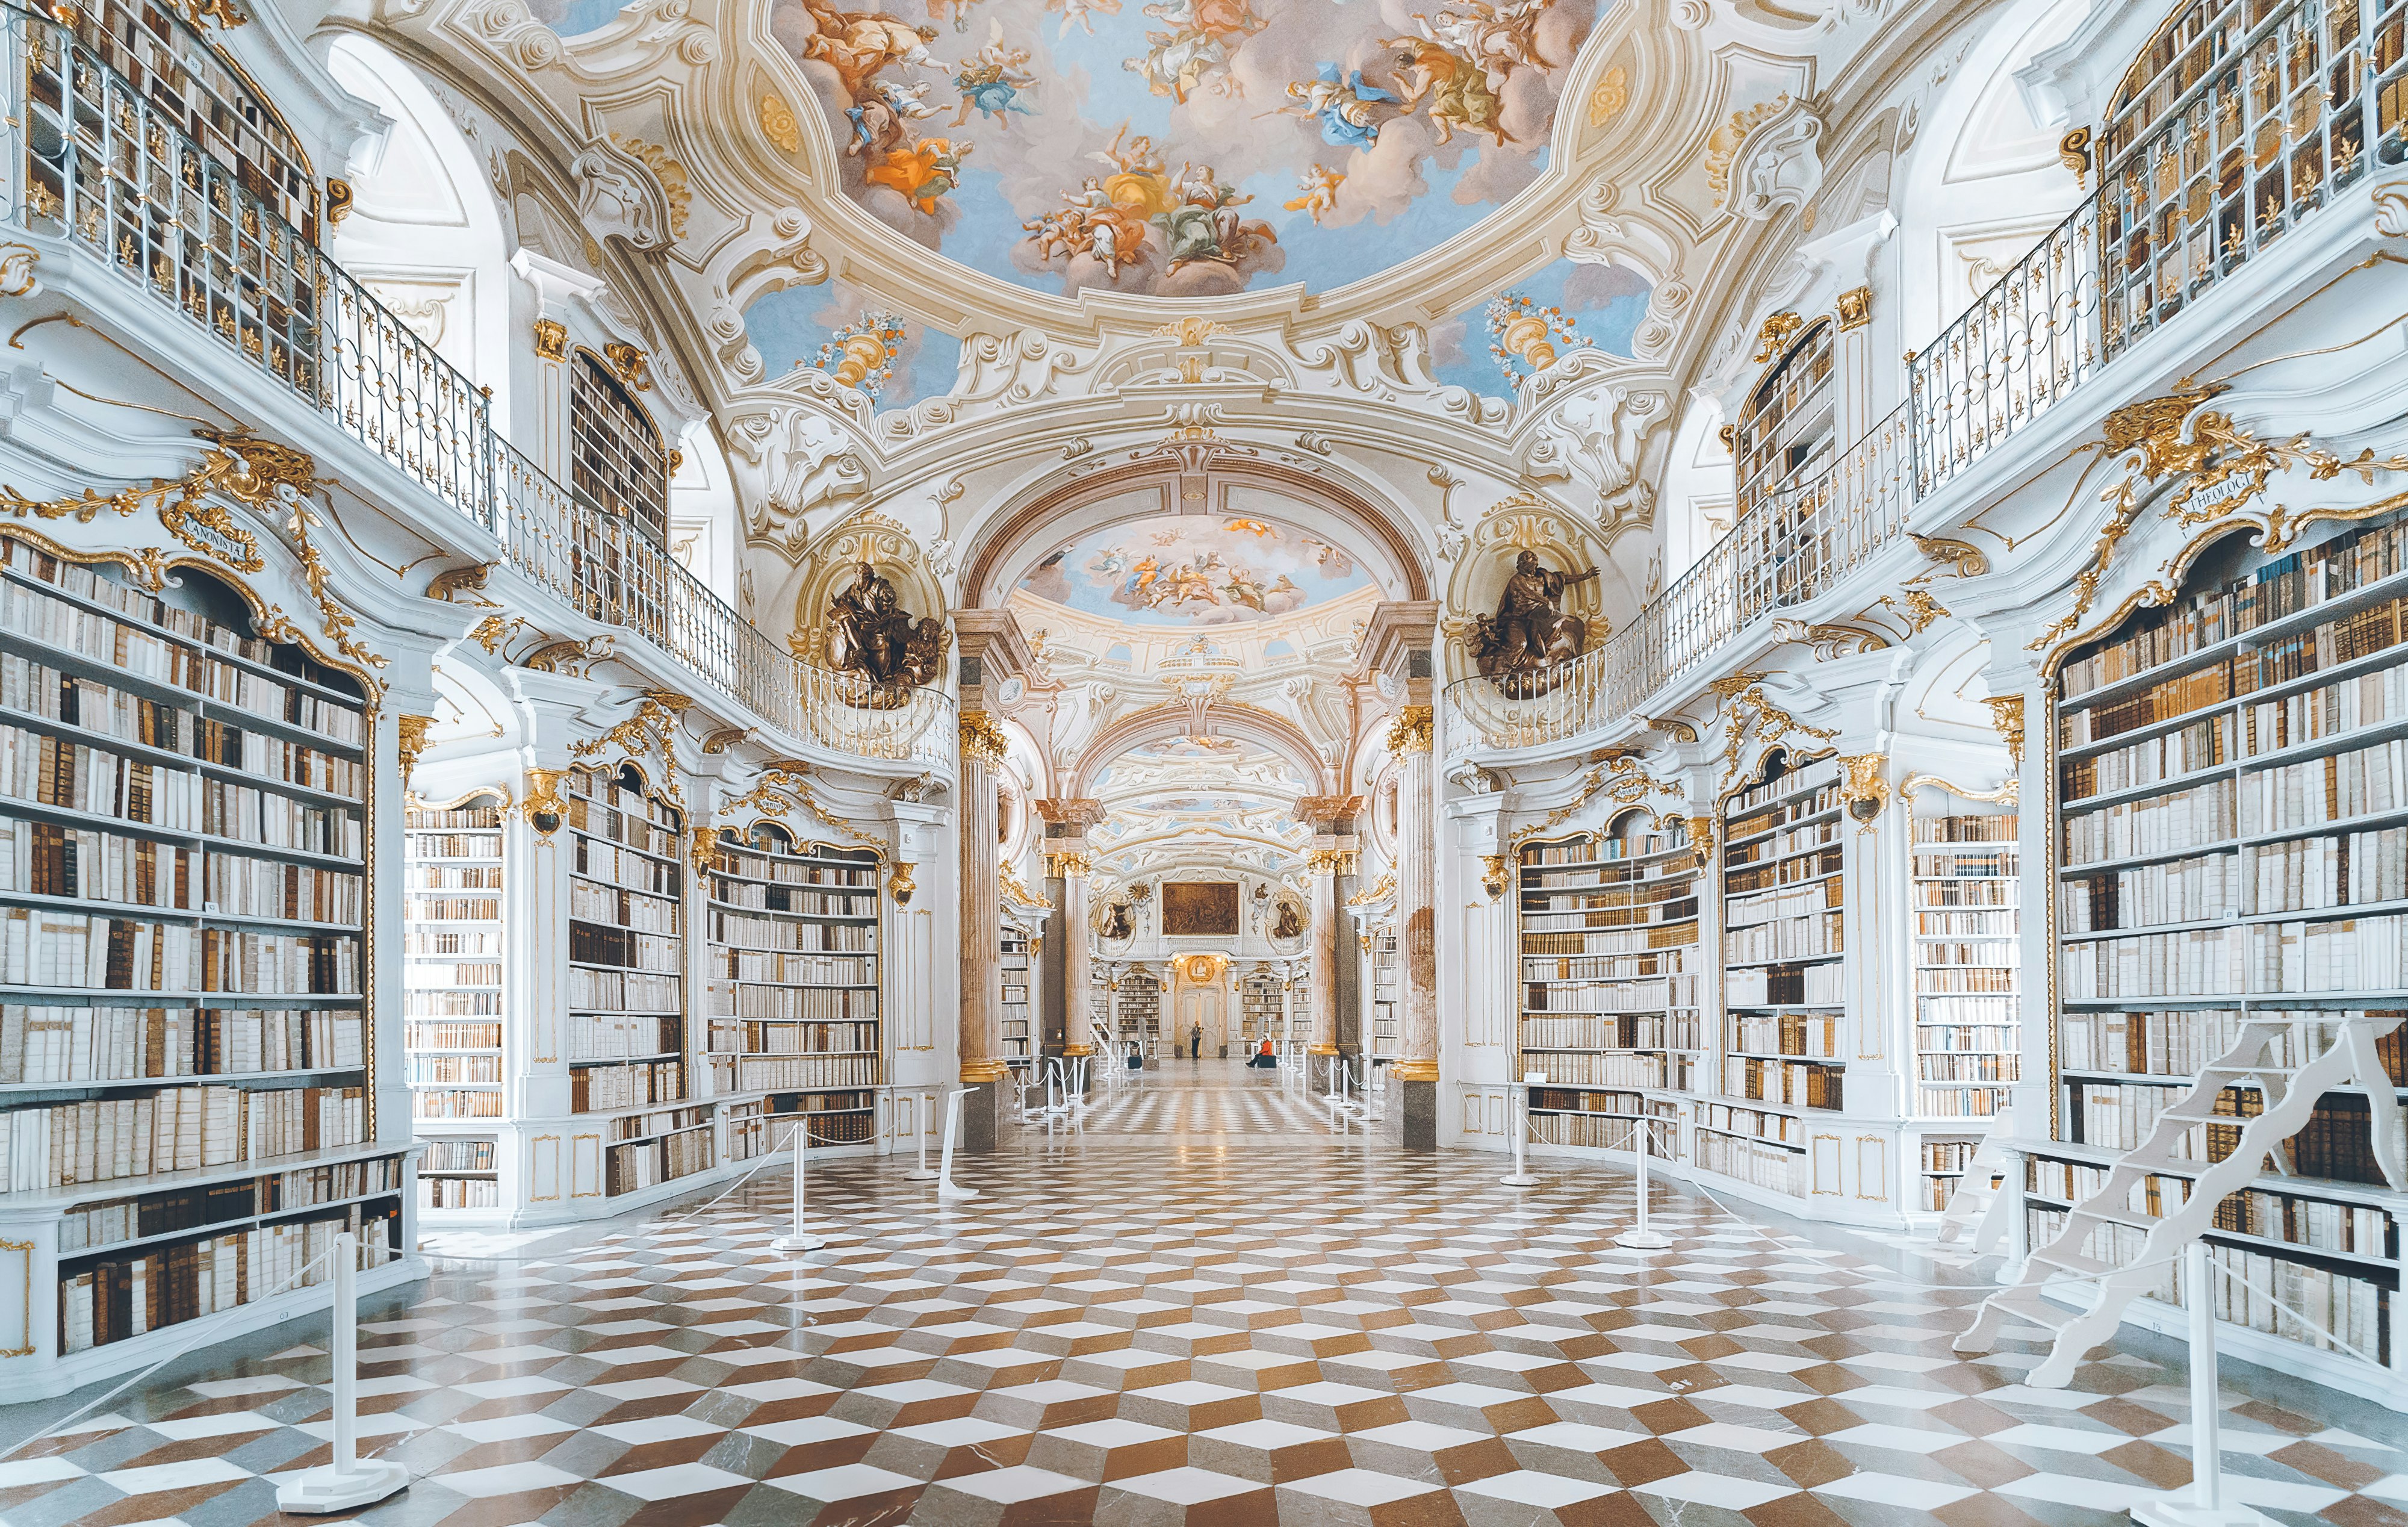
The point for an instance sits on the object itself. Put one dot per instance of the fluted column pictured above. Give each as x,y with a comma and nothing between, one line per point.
1416,896
1077,954
1321,865
981,899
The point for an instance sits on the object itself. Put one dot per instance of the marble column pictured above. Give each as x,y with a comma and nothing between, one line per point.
1330,858
1078,957
1416,1066
981,1019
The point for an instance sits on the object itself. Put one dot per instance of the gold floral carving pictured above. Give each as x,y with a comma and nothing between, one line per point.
1916,608
1015,892
1733,685
1561,814
2007,717
1613,92
1753,718
1855,307
2073,152
1413,730
1776,333
778,124
451,582
2003,796
1326,861
1829,641
651,731
1701,837
1864,788
1192,330
1673,726
1379,890
411,741
983,740
900,884
1069,864
627,364
1966,559
1723,146
340,201
550,339
719,742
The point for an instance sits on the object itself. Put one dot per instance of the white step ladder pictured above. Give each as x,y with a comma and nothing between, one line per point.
1980,1203
2323,1052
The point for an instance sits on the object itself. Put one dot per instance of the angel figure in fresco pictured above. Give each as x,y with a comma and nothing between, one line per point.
1090,225
882,119
1348,110
1497,38
992,79
1176,62
1224,21
1319,186
923,172
1259,530
1082,13
1456,90
1139,181
858,44
1205,224
958,11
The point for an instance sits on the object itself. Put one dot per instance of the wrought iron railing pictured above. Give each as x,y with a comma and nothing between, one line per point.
2269,111
104,169
1793,548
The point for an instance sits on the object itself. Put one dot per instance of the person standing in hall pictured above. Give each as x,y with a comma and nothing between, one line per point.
1195,1040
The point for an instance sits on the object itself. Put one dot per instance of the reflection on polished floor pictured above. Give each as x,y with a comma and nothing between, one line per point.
1138,1330
1212,1098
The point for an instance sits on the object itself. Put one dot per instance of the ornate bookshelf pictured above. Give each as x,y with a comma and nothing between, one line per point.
1258,1009
1140,1006
793,956
453,933
1609,980
1016,1021
186,1066
2226,802
1964,870
1784,964
1381,1034
626,1031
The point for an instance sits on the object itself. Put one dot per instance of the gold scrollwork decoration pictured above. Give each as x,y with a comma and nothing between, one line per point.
2007,717
1863,786
412,735
1589,786
981,739
2003,796
651,731
543,807
451,582
1413,730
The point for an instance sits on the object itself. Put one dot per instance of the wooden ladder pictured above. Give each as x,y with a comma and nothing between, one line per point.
2344,1052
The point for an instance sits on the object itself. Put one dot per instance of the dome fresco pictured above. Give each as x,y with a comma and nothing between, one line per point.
1184,148
1193,570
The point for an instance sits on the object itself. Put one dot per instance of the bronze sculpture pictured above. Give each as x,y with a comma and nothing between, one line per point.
1520,647
870,633
1287,921
1119,923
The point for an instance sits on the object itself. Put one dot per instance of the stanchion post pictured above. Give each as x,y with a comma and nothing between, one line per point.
919,1171
1521,1177
946,1189
350,1481
1642,1133
2205,1504
800,1237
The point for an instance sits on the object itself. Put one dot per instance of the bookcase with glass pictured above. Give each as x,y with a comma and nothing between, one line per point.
1014,1022
1963,870
185,1087
2230,784
626,1031
1609,977
1783,953
796,1039
453,931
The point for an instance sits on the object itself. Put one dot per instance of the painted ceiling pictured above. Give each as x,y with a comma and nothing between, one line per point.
1194,570
1183,148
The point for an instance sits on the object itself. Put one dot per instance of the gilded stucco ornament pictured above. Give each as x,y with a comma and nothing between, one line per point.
981,739
543,807
451,582
1915,607
2007,717
1962,558
410,741
1413,730
1494,875
1863,786
900,884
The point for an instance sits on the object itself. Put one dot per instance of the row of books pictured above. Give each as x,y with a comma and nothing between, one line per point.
789,869
632,991
426,908
2251,1289
2152,760
240,885
2166,823
1743,908
2198,962
2349,954
451,1004
1963,827
125,1298
611,865
628,1167
1948,1155
596,943
596,1089
729,1000
790,1038
1673,959
1673,1032
93,705
43,770
621,907
1783,846
39,948
1959,1101
2319,1224
443,1103
93,1226
2333,710
1561,1100
2309,874
173,1130
1636,995
756,1073
2190,890
772,968
2358,782
734,930
1821,865
1965,893
1963,981
48,858
1602,1133
1798,937
817,903
455,1070
459,1193
1644,893
612,811
1621,1069
1942,1029
1807,1036
265,757
615,1036
421,846
64,1045
1603,850
1792,985
1622,932
1992,952
1750,1160
1754,1122
2166,700
1808,790
458,1154
1791,1083
1950,1067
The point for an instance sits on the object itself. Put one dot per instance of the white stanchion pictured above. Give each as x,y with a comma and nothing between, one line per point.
1640,1238
1521,1177
800,1237
946,1187
350,1481
919,1171
2203,1505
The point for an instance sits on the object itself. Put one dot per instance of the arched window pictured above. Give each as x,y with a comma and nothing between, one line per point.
1788,428
617,462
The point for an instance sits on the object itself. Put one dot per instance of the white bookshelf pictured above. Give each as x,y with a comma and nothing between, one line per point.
1380,1038
186,1087
453,932
1784,968
1964,869
1608,982
793,955
1259,1010
1015,1022
626,1032
2228,833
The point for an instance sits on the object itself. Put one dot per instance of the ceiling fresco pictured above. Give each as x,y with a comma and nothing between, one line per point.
840,329
1193,570
1536,321
1183,148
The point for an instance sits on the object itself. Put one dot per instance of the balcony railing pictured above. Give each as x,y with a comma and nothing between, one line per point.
105,171
2273,108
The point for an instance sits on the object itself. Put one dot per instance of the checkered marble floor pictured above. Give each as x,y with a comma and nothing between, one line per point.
1303,1332
1206,1098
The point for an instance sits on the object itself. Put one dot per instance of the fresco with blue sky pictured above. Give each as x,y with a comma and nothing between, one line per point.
805,326
1189,569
